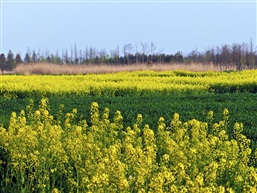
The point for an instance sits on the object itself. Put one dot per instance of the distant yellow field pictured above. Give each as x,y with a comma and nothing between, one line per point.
137,82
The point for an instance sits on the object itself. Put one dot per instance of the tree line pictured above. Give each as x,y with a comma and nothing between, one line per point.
242,55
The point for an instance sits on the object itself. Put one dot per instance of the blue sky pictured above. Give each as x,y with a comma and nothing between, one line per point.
171,25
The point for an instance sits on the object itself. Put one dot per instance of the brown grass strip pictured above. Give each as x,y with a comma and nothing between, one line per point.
47,68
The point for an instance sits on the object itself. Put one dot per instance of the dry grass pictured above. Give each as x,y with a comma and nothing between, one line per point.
46,68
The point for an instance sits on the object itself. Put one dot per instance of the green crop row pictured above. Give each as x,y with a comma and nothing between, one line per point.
243,107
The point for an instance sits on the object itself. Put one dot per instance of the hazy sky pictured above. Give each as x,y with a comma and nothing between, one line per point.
171,25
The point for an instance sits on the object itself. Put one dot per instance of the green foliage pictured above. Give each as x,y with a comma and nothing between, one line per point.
241,105
45,153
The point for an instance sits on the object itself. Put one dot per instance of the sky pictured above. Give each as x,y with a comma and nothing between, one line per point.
56,25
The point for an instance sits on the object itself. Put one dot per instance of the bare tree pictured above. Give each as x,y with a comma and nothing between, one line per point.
194,56
76,59
137,53
102,55
127,52
80,56
225,55
251,55
236,54
71,55
87,54
144,48
47,54
209,56
92,54
152,49
243,58
66,57
160,53
115,54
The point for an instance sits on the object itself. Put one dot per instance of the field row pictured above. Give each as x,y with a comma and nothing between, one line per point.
131,83
243,107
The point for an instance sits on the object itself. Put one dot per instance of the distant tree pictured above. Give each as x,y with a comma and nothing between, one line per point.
18,59
71,56
80,56
236,55
87,55
226,54
127,52
47,54
209,56
137,53
102,55
241,55
2,62
115,55
10,61
41,59
48,59
76,59
179,57
56,59
160,54
66,57
152,49
243,58
251,55
144,48
34,57
194,56
92,54
27,58
39,55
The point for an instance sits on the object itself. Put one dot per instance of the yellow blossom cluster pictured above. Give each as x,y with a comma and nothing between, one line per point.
41,153
130,83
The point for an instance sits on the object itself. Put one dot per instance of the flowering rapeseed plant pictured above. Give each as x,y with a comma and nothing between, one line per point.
40,153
